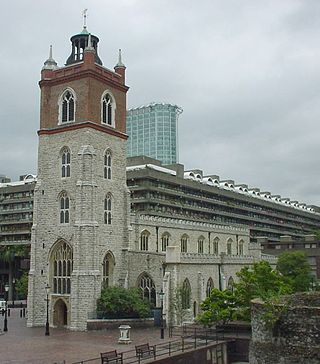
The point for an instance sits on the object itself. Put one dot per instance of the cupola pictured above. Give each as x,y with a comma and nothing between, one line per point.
80,43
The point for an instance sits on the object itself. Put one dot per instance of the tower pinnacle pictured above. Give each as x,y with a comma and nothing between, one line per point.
50,63
89,47
120,64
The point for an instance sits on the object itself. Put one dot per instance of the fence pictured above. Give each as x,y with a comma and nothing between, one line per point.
158,351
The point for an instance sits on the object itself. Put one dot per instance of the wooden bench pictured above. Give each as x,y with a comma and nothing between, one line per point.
145,351
111,357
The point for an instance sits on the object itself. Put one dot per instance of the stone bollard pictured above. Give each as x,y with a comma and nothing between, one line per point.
124,334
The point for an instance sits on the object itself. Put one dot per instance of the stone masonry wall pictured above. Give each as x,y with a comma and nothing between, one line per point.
87,234
295,337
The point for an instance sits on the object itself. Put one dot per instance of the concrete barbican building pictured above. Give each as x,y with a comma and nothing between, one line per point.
85,234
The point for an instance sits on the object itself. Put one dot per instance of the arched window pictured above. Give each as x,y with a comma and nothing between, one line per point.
144,240
230,284
67,107
64,208
186,294
147,287
61,268
107,165
108,209
241,244
229,246
65,162
216,246
200,244
107,270
107,109
164,241
184,243
210,287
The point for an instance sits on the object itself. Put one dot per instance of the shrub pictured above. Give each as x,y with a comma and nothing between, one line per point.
118,302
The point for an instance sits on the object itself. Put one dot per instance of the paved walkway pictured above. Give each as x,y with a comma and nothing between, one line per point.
29,345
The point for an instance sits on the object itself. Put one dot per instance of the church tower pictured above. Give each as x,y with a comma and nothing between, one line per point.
79,235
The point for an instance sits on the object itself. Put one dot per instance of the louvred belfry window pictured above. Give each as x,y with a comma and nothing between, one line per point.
107,110
67,107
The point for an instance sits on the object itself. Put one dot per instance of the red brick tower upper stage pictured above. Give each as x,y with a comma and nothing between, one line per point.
85,75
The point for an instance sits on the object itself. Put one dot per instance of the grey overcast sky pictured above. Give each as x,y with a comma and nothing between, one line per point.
246,73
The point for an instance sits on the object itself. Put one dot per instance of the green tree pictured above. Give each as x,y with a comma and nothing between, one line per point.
9,252
259,281
296,270
118,302
21,286
219,308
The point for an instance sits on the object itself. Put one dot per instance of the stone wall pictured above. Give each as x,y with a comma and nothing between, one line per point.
296,336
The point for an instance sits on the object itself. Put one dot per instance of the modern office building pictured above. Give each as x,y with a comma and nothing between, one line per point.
309,245
4,178
153,132
16,218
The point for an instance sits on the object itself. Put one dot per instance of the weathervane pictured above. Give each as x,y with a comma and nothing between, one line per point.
84,14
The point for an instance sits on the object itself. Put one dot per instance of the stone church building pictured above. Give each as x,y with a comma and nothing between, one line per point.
84,234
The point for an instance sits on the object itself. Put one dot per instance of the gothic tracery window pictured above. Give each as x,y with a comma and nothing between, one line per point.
107,267
64,208
184,243
147,288
144,240
65,163
200,244
241,243
107,164
216,246
62,266
186,294
108,109
67,107
229,246
108,209
230,284
209,287
164,241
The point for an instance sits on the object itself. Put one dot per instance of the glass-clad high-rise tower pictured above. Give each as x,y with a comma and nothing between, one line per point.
153,132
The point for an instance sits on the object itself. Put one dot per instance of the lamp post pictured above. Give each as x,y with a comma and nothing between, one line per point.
13,283
47,333
161,294
5,324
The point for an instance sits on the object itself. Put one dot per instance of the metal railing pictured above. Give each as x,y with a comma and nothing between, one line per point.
184,343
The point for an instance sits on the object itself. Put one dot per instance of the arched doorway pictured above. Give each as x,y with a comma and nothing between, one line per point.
60,314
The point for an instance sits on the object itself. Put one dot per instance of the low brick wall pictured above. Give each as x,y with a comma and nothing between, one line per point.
115,323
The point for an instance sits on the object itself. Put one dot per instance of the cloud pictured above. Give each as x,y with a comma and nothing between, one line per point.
246,74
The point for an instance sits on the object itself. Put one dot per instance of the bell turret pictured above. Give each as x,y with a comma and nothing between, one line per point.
79,44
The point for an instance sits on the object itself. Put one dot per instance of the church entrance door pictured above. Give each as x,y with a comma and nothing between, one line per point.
60,314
